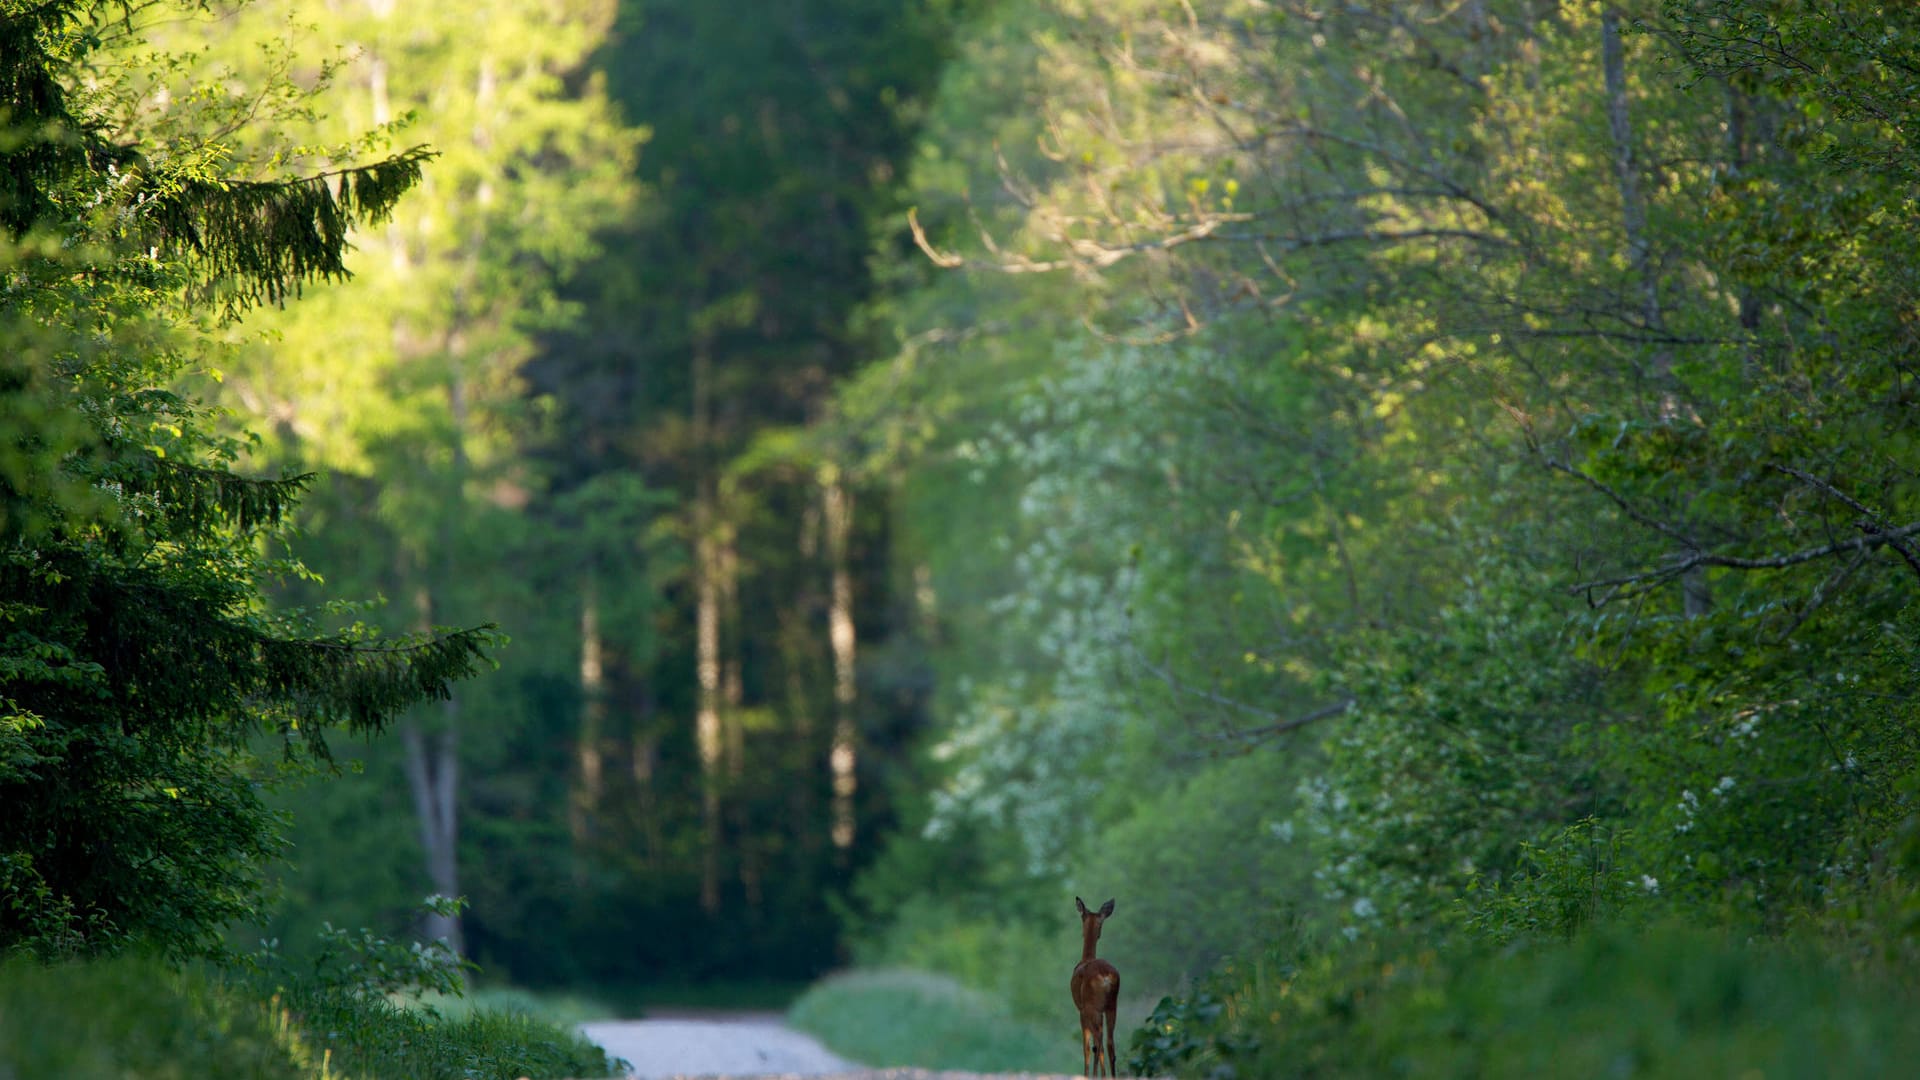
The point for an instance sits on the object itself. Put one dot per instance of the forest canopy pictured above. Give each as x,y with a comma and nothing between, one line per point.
1357,483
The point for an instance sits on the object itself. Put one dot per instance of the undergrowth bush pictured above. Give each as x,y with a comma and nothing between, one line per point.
1612,1002
894,1017
350,998
1017,962
1196,871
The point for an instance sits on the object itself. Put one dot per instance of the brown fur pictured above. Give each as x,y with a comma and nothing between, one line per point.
1096,993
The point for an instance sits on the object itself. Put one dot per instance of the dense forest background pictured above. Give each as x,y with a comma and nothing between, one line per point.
1343,479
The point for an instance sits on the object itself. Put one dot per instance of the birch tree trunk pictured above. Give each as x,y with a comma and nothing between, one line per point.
1633,207
843,757
707,570
432,764
732,716
589,745
643,763
433,775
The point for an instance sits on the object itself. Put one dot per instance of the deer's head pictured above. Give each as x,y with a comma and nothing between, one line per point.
1090,920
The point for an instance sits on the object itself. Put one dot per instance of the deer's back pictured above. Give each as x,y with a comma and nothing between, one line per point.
1095,985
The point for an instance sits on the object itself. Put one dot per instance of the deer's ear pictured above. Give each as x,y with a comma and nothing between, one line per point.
1106,909
1077,902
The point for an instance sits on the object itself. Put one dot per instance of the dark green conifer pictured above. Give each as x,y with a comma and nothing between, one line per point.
139,667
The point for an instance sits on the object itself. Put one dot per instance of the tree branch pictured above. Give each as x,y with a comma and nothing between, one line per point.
1626,507
1734,562
1871,523
1277,724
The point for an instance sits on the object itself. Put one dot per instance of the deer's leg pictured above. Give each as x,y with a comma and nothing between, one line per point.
1086,1049
1113,1013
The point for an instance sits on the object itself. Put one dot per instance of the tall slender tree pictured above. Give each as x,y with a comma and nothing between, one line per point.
452,293
711,334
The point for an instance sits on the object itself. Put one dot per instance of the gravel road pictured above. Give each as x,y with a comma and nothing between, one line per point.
730,1046
735,1046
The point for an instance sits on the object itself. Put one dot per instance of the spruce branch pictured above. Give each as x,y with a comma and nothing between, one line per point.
260,241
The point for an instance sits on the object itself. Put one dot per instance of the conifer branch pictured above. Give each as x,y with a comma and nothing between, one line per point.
261,241
195,495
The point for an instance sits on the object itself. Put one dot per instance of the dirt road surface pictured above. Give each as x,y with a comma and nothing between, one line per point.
727,1046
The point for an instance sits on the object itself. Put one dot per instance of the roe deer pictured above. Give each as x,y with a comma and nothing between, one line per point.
1096,991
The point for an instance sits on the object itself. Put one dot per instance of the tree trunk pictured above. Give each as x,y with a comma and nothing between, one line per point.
732,719
433,765
1740,124
644,764
926,604
732,678
707,570
798,652
433,774
842,758
589,746
1633,208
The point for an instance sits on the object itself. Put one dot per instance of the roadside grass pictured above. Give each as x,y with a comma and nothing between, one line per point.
889,1018
116,1018
370,1036
112,1019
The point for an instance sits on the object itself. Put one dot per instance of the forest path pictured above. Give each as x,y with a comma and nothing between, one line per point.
745,1045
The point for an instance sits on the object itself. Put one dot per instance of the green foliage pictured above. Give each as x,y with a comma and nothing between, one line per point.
1184,1032
1575,877
1657,1003
369,965
1012,961
1494,418
1463,744
893,1017
270,238
137,660
1206,866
